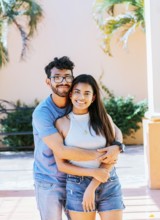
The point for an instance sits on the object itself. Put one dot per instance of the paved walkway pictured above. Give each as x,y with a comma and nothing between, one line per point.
17,192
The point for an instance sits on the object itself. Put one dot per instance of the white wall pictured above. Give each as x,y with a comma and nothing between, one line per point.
68,29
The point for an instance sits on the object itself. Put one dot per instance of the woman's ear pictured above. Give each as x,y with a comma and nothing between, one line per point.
94,97
70,95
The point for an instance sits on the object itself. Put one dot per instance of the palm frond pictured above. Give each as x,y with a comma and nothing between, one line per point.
126,23
3,55
3,45
24,38
32,11
20,12
113,24
128,29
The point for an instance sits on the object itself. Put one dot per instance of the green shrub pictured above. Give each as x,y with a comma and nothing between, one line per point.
18,119
125,112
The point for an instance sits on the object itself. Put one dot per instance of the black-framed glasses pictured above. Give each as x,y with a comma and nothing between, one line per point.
59,79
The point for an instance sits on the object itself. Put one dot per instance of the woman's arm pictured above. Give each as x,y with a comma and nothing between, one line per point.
89,194
100,174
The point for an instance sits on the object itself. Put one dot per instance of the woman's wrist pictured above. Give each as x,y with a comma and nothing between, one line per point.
94,184
92,187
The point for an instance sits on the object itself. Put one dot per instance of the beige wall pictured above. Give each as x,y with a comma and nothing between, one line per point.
68,29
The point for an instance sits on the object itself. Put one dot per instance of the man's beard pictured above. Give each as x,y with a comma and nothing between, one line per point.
61,94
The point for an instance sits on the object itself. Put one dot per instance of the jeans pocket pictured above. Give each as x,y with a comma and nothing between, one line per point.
44,185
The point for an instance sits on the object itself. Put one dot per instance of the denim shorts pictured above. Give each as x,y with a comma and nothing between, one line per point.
108,196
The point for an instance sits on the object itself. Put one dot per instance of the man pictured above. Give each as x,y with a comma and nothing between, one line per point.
49,182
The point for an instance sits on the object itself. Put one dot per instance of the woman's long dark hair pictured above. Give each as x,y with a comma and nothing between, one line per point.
99,120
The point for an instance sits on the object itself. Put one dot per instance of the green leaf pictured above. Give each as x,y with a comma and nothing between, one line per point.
125,112
19,119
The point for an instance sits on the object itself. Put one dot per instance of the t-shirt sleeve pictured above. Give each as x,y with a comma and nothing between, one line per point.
43,123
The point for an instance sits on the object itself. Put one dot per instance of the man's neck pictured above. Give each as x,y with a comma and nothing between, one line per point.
59,101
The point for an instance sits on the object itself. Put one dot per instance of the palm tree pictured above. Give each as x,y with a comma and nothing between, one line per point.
16,12
109,22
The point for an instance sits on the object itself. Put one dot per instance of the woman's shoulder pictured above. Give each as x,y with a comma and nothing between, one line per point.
62,119
62,124
110,118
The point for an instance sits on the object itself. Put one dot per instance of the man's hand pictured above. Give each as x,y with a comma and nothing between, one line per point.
101,174
111,154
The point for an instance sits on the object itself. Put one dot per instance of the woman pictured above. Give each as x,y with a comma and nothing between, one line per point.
88,126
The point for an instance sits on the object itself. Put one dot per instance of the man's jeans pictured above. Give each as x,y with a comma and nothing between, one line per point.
51,198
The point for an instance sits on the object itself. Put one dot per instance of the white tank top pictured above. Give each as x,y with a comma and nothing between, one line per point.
79,135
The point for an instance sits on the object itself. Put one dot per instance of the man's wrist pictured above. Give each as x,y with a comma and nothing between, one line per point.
120,145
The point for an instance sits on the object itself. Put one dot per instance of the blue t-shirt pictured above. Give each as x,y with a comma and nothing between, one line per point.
44,117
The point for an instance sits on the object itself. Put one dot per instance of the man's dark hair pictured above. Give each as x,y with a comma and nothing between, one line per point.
60,63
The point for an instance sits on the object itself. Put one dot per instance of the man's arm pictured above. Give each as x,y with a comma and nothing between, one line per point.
106,155
43,125
55,143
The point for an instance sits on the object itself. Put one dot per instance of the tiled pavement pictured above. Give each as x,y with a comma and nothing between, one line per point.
17,195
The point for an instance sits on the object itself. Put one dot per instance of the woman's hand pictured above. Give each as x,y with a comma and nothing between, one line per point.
89,199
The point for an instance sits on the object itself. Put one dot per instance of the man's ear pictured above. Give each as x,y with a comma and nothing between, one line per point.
48,81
